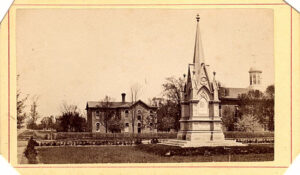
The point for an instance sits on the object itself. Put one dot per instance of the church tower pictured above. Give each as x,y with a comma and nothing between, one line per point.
200,121
255,79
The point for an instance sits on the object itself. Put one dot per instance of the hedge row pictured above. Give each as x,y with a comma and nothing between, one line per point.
255,140
237,134
113,136
160,135
164,150
96,142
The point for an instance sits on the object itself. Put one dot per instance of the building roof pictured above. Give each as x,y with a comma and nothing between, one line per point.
98,104
232,93
254,69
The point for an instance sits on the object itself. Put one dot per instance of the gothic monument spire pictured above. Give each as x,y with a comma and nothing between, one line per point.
198,50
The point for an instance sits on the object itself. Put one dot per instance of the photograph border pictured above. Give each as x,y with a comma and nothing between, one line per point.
82,166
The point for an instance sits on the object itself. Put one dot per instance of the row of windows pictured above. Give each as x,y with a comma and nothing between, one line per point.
126,112
139,118
139,111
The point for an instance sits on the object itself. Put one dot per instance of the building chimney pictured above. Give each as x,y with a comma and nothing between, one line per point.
123,97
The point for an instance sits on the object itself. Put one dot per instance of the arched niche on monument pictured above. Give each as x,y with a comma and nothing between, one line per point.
202,107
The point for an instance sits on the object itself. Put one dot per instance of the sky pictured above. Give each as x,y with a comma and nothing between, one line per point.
80,55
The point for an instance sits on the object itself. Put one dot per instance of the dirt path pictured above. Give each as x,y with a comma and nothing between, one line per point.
22,144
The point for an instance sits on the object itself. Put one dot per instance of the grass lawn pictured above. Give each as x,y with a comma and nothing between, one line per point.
131,154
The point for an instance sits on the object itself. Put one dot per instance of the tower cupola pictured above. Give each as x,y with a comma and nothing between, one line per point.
255,78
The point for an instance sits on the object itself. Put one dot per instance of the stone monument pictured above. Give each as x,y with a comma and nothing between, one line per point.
200,123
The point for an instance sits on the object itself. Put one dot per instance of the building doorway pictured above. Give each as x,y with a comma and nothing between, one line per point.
139,130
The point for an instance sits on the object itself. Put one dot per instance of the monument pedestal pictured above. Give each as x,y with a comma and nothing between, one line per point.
187,144
201,133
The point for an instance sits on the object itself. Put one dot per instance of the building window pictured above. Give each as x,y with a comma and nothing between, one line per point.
254,79
139,111
97,127
151,111
139,124
126,113
139,117
126,129
258,79
250,79
97,115
151,124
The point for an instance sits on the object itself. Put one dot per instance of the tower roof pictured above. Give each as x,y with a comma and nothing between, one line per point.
198,50
254,69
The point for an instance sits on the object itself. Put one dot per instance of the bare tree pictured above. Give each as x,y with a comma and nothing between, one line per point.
66,108
34,115
135,91
108,113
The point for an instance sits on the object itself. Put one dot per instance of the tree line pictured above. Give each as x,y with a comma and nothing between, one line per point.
254,109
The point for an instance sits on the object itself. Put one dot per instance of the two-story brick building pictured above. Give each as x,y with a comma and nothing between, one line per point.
136,117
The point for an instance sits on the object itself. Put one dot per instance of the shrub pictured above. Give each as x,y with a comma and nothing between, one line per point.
138,141
154,140
248,123
239,134
30,152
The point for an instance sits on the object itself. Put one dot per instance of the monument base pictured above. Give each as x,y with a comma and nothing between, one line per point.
201,136
186,143
201,139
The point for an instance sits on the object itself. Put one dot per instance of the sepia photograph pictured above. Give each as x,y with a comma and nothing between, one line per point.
144,85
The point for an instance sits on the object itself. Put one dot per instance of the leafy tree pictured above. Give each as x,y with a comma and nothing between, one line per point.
247,123
115,124
47,123
71,119
172,89
250,103
269,106
259,105
147,120
165,116
228,117
21,115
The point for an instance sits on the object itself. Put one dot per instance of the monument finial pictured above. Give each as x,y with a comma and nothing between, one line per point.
198,50
198,17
